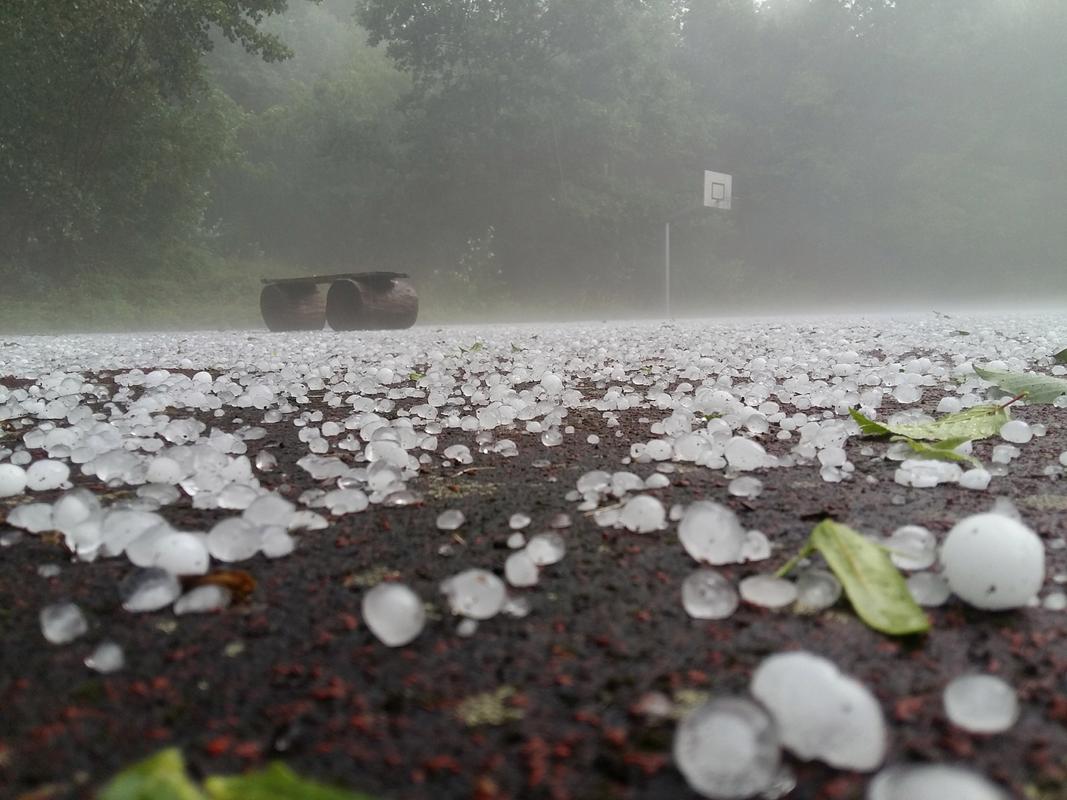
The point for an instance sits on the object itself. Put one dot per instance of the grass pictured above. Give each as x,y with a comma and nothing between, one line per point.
211,293
224,295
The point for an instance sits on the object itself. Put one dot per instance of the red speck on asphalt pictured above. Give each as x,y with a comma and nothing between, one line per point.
616,736
907,709
442,763
485,788
520,700
535,752
840,788
1058,709
362,722
182,653
960,745
46,733
648,763
72,713
217,746
334,689
249,751
587,717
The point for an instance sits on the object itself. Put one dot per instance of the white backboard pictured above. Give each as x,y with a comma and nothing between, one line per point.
718,189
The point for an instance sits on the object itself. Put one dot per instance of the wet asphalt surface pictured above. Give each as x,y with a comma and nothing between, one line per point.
291,672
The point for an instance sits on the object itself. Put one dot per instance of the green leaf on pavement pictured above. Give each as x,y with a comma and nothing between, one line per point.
979,422
276,782
1060,357
944,450
868,426
1037,389
158,777
873,584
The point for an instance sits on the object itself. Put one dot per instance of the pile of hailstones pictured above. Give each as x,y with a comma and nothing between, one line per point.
728,748
732,747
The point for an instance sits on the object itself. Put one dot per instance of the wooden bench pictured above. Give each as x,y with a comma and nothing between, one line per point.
354,301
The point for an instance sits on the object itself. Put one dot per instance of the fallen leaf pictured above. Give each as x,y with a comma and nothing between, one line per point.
979,422
159,777
489,708
240,583
943,451
276,782
1037,389
874,586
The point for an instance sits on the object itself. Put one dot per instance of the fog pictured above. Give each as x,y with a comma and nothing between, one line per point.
519,160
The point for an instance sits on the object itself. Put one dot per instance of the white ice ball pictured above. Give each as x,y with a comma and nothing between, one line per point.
993,562
12,480
46,474
821,713
394,613
181,553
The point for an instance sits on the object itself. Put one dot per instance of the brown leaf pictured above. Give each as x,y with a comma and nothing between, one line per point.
240,583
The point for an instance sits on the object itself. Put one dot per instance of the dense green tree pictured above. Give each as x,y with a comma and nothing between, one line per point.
907,139
563,128
490,146
319,158
108,130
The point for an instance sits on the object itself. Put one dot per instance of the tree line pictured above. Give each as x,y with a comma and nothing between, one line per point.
525,148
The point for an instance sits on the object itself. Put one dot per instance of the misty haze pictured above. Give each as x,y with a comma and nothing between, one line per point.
509,399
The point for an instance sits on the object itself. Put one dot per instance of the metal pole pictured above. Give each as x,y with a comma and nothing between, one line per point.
667,265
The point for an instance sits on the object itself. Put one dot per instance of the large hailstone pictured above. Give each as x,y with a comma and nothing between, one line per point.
931,782
149,589
475,593
520,569
46,474
711,533
706,594
643,514
993,562
727,749
394,613
180,553
12,480
820,712
546,549
62,623
981,703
